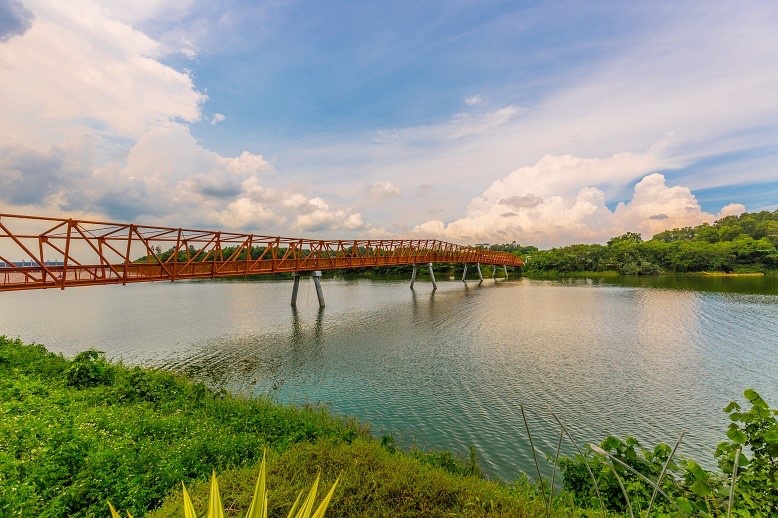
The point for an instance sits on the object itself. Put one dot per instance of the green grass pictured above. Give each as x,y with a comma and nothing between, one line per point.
76,433
374,482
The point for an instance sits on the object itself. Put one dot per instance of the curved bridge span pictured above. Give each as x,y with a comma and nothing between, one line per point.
41,252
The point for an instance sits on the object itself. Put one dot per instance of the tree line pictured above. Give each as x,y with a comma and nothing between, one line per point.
744,243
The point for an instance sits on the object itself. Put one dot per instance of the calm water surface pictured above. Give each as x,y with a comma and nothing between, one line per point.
449,369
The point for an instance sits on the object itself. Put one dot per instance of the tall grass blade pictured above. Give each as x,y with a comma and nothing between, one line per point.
583,457
599,450
189,511
534,455
553,473
114,514
632,470
326,502
732,487
215,509
307,507
293,510
258,507
663,473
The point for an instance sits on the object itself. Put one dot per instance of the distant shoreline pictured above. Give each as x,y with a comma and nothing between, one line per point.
611,273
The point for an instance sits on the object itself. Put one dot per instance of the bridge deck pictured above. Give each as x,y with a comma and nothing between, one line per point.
59,253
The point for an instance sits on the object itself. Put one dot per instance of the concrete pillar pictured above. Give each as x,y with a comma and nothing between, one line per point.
432,276
295,288
478,267
316,281
494,271
413,275
505,269
464,273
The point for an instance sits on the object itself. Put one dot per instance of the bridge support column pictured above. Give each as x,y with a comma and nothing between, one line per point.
464,273
316,281
432,276
505,269
478,267
494,271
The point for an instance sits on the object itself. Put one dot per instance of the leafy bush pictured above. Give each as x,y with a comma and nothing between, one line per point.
89,369
145,385
754,431
626,461
627,474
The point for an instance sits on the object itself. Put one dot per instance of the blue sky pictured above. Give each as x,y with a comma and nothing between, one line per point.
541,122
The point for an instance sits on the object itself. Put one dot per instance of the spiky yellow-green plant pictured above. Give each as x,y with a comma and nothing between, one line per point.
258,506
114,514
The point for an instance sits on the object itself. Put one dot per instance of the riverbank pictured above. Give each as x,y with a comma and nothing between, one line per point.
612,273
78,432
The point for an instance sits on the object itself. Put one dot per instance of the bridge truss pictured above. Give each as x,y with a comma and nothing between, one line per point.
41,252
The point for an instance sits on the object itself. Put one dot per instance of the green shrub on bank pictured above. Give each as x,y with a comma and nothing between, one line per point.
627,473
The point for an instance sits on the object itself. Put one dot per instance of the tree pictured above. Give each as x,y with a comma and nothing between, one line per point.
629,237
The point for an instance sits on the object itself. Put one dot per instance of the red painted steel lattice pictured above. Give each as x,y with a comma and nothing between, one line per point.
39,252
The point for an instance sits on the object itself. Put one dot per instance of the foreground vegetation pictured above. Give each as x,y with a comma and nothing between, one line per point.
745,243
77,433
630,477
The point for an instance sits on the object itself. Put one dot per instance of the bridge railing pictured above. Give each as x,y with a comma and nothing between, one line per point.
43,252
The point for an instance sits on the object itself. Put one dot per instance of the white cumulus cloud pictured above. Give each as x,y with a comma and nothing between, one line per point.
317,216
75,70
94,124
557,202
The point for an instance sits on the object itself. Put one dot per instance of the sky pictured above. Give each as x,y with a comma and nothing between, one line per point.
544,123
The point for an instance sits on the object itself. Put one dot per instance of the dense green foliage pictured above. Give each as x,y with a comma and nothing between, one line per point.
74,433
745,243
756,431
752,438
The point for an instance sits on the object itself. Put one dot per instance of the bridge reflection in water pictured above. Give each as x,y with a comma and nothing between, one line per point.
60,253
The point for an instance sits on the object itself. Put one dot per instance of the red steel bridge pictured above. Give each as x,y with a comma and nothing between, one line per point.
41,252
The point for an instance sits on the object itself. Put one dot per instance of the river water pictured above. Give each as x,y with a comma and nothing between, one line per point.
449,369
